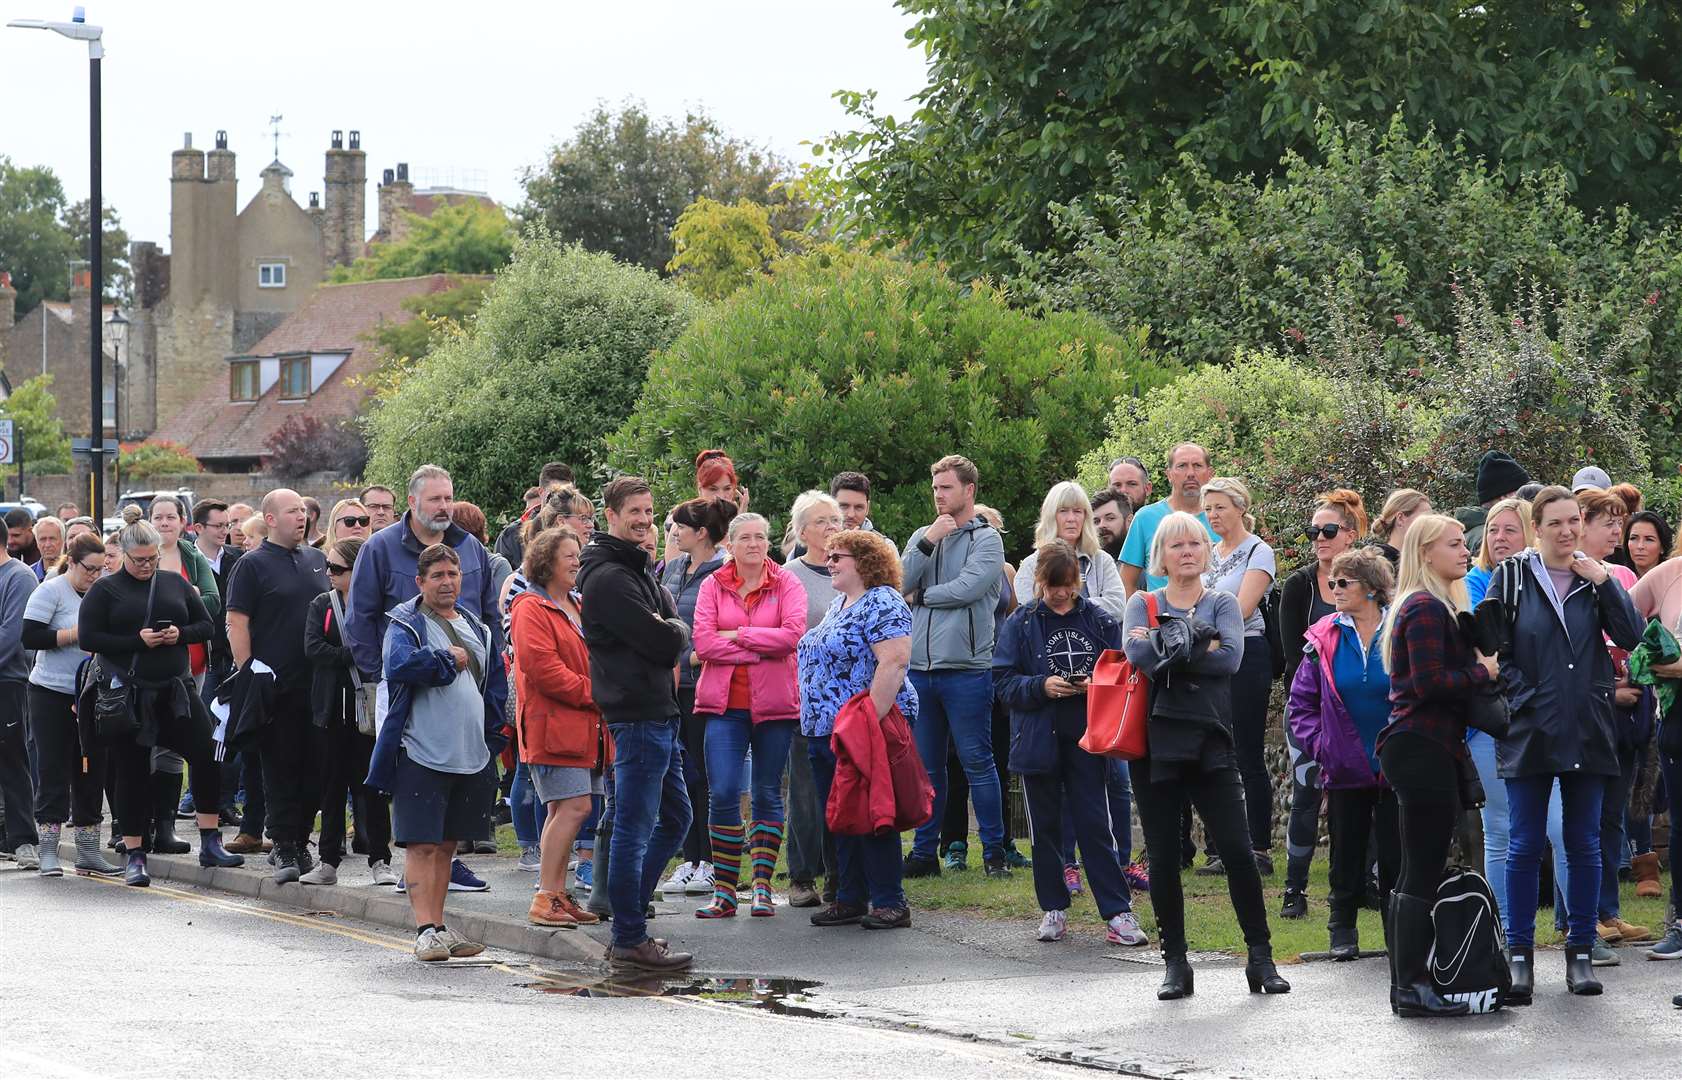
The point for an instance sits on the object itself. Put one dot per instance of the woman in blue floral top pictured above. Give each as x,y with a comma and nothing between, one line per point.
862,644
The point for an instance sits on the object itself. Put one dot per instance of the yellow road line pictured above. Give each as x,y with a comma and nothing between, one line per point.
264,913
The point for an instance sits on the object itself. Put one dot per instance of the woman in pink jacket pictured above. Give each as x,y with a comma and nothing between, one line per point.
748,620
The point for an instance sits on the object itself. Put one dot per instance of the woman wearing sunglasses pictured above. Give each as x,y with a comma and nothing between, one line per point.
350,520
346,728
1339,521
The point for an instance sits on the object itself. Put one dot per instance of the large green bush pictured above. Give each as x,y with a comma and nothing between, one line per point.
553,361
1378,225
870,363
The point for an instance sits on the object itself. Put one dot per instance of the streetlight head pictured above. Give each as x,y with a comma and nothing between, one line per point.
79,30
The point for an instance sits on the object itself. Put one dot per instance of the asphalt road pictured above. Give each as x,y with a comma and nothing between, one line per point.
214,986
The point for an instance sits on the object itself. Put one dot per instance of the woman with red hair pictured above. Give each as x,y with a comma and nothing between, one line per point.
715,478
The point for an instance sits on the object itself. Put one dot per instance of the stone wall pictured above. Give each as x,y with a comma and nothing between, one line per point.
228,487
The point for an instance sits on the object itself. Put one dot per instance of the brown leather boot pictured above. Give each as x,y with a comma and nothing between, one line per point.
245,844
547,909
1645,870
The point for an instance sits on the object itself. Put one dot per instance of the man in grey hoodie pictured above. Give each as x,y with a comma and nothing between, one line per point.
953,574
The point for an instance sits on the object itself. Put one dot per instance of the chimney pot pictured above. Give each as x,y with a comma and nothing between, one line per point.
221,140
338,142
315,199
187,141
355,139
388,179
403,171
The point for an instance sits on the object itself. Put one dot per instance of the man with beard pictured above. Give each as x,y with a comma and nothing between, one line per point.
386,574
1129,479
1110,515
1188,471
20,537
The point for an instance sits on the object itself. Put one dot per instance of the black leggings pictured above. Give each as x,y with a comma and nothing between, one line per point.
343,755
1251,687
1218,795
71,780
1356,815
188,736
1426,780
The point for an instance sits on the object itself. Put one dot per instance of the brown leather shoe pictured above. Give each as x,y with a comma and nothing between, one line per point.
244,844
803,894
579,915
548,909
649,956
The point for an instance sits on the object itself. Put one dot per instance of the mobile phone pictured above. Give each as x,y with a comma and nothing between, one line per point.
163,624
1079,680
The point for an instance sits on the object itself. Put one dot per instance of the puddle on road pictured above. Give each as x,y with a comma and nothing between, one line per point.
783,997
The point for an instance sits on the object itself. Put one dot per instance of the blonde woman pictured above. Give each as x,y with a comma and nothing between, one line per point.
1506,532
350,520
1433,669
1403,507
1243,565
1066,514
253,531
1191,747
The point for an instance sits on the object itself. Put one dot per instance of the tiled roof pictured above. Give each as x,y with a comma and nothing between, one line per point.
427,203
335,319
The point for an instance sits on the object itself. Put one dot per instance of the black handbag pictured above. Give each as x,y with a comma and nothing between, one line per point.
1486,710
115,716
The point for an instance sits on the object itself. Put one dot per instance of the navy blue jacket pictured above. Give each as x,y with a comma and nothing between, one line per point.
1019,674
1558,675
384,576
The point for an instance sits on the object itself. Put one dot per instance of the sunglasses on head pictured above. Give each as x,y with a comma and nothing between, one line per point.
335,568
1328,531
356,521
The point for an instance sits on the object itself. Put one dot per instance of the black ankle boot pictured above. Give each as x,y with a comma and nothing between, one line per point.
1579,971
1411,934
1176,980
1346,943
1262,975
1522,964
166,796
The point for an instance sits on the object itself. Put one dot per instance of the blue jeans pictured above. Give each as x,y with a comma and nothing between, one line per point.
959,705
1527,799
1614,842
1118,793
650,815
867,866
523,806
728,737
1496,829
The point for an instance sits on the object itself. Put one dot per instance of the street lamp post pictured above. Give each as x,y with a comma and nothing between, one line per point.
119,391
78,29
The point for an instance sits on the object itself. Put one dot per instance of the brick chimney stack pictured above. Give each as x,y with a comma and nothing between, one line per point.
8,301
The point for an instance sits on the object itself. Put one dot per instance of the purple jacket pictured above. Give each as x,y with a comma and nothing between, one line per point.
1317,716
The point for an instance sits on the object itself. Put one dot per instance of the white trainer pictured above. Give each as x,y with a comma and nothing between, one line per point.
321,874
429,946
1053,926
680,879
701,882
1124,929
382,874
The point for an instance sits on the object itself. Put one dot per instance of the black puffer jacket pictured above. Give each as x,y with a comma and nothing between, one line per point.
1558,675
330,663
633,631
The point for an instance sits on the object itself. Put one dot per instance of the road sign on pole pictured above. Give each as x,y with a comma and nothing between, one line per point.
6,447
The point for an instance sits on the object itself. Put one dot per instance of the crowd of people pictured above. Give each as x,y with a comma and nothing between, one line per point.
619,691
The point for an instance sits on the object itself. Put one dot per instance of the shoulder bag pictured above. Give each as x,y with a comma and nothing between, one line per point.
364,694
115,715
1118,703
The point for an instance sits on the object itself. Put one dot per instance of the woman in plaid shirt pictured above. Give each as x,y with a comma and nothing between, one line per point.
1432,670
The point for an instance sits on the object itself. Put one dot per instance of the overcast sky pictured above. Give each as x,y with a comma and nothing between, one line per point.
471,90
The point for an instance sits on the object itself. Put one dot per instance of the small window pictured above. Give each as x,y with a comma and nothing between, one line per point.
294,378
242,381
271,276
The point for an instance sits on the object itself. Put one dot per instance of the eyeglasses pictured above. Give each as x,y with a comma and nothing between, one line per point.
355,521
143,560
836,556
335,569
1328,531
1342,583
96,568
215,525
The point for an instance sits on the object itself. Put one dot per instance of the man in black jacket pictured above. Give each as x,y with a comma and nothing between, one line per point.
508,543
636,638
210,535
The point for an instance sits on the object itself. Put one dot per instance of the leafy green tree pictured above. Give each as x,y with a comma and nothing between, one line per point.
437,317
34,412
552,362
467,238
620,182
34,246
155,457
1377,227
721,248
118,280
871,363
1032,104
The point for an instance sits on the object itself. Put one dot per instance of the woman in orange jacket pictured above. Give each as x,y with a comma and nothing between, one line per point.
563,741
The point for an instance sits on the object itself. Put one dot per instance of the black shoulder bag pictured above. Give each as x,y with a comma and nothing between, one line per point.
116,717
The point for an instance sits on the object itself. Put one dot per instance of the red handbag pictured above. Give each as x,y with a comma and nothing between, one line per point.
1118,703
